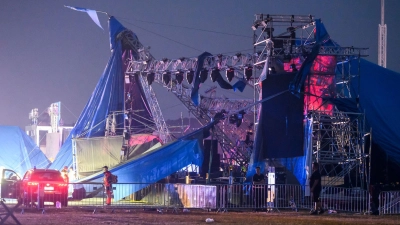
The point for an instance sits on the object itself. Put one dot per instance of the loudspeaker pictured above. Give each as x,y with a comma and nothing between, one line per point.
215,157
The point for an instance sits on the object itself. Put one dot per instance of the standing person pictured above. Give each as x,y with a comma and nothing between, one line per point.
107,181
64,174
258,188
315,189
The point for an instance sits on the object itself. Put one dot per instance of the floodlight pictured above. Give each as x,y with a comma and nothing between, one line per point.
272,70
179,77
230,74
214,74
190,76
248,72
166,77
203,75
150,78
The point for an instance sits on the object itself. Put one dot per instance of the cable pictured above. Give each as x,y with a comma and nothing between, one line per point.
69,110
190,28
166,37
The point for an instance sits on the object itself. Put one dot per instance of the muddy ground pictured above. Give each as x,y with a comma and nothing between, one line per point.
89,216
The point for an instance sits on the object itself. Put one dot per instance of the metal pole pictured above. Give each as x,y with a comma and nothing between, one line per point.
211,156
369,165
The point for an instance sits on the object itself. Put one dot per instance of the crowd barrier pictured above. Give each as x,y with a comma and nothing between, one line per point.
294,197
220,197
389,202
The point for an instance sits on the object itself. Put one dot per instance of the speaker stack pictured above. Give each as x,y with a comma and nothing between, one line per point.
215,164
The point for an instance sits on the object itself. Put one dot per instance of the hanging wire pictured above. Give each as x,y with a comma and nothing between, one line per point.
189,28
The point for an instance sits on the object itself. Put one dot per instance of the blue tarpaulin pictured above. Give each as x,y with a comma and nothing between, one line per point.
19,152
108,96
374,92
156,164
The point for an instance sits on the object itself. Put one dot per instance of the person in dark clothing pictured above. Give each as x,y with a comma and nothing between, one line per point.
315,189
258,188
107,181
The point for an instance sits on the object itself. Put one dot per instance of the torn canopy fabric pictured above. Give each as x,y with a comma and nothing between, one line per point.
156,164
108,96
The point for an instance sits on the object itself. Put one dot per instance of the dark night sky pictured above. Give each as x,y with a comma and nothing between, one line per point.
49,53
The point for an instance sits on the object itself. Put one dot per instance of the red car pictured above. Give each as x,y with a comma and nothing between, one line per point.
48,183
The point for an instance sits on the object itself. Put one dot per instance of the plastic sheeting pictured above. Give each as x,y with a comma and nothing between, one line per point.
108,96
19,152
156,164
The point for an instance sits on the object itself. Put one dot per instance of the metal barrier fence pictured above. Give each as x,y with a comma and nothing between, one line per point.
389,202
219,197
127,195
275,197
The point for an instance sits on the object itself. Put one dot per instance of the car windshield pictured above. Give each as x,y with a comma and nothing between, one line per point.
46,176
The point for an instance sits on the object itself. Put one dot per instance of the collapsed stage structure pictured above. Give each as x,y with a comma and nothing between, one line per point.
307,105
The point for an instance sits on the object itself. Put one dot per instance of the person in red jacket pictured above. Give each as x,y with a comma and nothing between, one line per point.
107,181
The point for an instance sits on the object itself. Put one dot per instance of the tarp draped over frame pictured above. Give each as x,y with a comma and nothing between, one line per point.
375,93
19,152
108,96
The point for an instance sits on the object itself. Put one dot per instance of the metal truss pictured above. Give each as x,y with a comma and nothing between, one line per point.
236,154
338,145
130,40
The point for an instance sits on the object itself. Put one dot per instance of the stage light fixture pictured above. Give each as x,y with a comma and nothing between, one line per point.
248,72
203,75
166,77
150,78
230,74
272,70
190,76
214,74
232,119
293,67
179,77
255,26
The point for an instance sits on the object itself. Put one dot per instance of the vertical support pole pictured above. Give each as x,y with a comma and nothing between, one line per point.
211,155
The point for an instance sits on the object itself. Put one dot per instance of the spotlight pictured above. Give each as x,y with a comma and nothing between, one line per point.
232,119
214,74
230,74
248,72
272,70
293,67
190,76
179,77
150,78
166,77
255,26
203,75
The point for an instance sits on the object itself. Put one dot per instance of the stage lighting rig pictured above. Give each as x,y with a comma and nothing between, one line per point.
214,74
248,72
203,75
190,76
166,77
179,76
237,118
230,74
150,78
